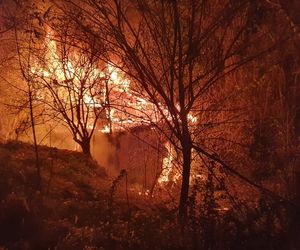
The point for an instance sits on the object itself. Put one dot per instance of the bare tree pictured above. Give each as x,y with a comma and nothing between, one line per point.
71,82
177,53
25,59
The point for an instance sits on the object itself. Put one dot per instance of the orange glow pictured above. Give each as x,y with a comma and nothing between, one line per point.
167,167
126,109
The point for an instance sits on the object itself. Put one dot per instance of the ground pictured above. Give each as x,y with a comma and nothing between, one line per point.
79,206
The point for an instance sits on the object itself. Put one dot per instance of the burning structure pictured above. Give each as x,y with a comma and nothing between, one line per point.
92,98
196,93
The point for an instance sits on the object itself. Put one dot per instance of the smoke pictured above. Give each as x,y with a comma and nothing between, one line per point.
102,149
104,152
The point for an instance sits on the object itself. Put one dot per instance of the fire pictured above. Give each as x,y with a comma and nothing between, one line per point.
125,109
192,118
115,78
105,130
167,165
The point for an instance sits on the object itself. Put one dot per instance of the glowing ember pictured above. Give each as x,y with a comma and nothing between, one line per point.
192,118
167,165
105,130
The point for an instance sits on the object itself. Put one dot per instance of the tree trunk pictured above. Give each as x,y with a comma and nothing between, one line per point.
186,169
37,164
86,146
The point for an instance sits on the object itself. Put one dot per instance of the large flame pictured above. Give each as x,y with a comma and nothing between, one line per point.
126,109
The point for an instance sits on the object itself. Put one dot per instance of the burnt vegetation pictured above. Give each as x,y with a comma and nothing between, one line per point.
149,124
